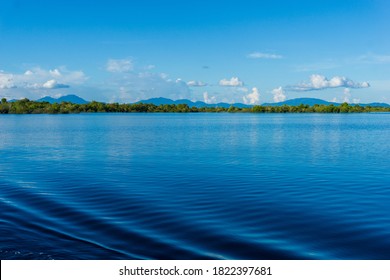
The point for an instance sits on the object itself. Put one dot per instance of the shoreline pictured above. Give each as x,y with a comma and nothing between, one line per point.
26,106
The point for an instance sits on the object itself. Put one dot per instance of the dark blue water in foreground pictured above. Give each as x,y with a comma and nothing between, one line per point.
195,186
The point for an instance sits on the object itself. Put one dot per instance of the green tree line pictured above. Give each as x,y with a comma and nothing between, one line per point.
26,106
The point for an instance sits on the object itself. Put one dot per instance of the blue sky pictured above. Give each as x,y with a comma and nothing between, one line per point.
222,51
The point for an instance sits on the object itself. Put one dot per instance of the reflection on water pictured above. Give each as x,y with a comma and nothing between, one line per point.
195,186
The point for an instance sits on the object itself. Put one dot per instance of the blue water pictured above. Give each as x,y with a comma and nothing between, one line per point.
195,186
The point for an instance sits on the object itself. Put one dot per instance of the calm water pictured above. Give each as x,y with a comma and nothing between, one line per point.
195,186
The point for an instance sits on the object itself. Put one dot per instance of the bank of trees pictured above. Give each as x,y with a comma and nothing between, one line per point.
342,108
26,106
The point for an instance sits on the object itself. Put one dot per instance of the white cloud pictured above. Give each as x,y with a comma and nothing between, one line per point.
319,82
133,86
38,75
6,81
233,82
119,65
264,55
196,84
252,98
180,81
36,82
52,84
55,73
347,95
279,94
209,99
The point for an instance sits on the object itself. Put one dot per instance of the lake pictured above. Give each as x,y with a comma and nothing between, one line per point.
195,186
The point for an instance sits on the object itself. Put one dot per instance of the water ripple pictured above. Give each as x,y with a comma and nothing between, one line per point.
196,186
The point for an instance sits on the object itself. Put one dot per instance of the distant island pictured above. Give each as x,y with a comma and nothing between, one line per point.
72,104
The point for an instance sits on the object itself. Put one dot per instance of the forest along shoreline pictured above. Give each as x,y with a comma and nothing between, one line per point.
26,106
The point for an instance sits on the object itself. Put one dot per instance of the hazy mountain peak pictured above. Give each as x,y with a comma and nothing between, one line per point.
66,98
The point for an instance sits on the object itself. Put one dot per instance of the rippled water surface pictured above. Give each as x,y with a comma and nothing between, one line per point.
195,186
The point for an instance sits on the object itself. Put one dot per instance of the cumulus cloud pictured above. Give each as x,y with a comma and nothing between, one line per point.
257,55
209,99
279,94
55,73
196,84
233,82
346,97
252,98
38,75
119,65
29,73
52,84
6,81
36,82
319,82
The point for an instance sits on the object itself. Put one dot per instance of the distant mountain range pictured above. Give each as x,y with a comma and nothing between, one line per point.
161,101
291,102
66,98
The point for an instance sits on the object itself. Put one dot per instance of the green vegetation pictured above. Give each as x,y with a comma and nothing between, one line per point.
26,106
